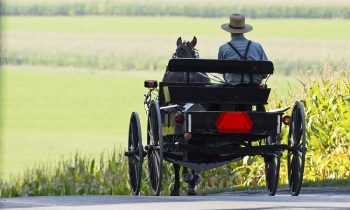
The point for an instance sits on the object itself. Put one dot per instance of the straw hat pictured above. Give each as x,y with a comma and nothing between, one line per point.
237,25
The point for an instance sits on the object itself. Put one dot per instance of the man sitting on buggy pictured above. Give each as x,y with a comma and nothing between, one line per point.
240,48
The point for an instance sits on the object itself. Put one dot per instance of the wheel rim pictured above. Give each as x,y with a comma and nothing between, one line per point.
135,156
297,143
155,154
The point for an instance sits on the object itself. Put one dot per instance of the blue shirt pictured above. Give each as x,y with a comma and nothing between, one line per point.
255,53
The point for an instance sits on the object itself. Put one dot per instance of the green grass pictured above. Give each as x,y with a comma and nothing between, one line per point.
47,115
281,28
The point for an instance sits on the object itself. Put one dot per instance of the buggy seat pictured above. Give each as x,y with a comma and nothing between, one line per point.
180,93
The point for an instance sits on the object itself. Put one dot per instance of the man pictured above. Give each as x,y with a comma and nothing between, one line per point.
240,48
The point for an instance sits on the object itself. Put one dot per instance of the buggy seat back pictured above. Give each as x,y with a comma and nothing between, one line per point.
178,93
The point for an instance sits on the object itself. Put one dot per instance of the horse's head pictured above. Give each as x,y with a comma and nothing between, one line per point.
186,49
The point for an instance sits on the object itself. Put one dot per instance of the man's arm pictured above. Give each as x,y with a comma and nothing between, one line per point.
220,53
263,58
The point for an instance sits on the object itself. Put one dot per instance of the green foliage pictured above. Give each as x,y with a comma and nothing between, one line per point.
188,8
327,102
79,176
328,114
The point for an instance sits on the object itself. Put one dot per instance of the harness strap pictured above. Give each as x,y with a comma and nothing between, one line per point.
244,58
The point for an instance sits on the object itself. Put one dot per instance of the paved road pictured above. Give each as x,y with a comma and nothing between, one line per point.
325,198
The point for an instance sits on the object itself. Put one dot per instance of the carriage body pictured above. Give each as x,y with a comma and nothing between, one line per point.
200,139
203,126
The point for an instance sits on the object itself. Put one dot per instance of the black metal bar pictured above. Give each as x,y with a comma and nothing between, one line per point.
218,95
219,66
242,151
188,78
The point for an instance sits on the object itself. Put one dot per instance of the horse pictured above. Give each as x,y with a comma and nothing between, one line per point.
185,50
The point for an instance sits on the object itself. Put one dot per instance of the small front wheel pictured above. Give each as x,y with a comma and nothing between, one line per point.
135,153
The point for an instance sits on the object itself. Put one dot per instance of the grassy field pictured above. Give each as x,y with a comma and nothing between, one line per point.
56,99
118,43
280,28
47,115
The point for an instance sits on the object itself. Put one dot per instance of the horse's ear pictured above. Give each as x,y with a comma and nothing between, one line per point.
179,41
194,41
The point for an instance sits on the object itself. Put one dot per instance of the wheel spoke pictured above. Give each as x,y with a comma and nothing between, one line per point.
154,139
296,156
297,144
134,158
300,153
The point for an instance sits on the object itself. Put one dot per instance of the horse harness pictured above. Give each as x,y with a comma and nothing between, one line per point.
243,58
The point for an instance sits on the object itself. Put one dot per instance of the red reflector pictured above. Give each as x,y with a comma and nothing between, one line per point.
235,122
150,84
179,118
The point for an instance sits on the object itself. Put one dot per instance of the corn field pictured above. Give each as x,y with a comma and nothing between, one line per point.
192,8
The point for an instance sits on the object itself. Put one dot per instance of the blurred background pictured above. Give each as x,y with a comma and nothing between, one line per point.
72,71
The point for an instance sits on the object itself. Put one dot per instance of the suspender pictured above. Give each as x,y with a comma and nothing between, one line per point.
243,58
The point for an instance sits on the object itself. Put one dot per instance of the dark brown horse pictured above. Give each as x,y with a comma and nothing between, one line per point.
185,50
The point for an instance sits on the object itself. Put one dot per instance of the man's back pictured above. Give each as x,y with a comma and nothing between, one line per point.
240,49
255,51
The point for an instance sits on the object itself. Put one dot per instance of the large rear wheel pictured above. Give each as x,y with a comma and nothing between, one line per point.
296,153
135,153
155,148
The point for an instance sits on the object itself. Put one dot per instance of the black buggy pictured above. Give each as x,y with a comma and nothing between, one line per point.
204,126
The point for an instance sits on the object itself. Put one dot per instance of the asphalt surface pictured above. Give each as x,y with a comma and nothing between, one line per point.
310,198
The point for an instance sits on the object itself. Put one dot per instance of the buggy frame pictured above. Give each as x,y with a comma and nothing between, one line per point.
184,128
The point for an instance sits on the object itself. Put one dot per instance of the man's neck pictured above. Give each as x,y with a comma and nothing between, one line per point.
237,36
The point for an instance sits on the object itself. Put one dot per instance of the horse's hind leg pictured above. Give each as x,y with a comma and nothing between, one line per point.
176,189
193,183
192,179
187,177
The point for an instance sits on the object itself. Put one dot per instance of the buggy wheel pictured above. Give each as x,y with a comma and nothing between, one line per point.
297,150
155,148
135,153
272,168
